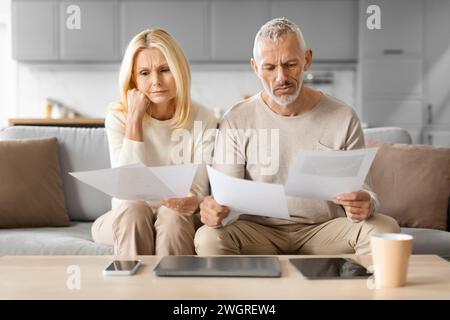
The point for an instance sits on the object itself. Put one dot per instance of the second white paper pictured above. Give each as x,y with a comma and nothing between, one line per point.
325,174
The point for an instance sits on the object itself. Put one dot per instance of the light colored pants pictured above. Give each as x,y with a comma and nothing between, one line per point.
336,236
134,229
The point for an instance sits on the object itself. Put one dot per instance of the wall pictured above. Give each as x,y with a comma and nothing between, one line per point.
89,88
7,66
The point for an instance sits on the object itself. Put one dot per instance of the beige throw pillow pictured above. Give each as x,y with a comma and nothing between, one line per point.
31,188
413,183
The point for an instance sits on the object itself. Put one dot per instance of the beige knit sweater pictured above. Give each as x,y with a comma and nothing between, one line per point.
164,145
268,144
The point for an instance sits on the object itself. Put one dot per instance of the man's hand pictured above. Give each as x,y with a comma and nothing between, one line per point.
357,205
187,205
212,213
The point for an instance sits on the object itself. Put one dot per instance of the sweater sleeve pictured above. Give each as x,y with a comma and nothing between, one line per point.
229,157
122,151
229,151
355,140
203,150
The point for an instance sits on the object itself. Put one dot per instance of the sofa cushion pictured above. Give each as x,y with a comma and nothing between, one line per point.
429,241
31,188
72,240
412,183
80,149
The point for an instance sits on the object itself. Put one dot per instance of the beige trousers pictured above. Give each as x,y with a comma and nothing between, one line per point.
134,229
336,236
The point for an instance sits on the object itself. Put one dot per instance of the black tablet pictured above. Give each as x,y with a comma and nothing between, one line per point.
222,266
330,268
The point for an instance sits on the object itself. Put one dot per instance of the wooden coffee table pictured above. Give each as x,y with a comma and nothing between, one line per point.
46,277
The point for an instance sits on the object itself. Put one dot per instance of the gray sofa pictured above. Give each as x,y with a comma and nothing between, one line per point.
86,149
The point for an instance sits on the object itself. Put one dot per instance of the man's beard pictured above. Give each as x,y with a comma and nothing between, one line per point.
283,100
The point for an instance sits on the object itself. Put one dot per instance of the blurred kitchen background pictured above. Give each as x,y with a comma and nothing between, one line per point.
396,76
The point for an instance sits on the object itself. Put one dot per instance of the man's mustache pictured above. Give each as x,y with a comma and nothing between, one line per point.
282,85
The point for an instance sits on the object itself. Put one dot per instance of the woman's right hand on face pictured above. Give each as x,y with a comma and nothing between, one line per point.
138,104
212,213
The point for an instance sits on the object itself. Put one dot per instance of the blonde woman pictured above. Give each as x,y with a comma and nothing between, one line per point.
154,112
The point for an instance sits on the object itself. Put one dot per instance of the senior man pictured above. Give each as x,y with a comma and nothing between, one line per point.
304,119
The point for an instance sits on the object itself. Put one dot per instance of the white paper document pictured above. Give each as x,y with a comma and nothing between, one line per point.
138,182
247,197
325,174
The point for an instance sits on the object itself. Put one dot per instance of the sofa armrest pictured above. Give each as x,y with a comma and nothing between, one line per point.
448,215
388,134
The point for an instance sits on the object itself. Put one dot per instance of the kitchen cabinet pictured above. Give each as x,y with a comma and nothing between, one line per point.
208,30
40,31
392,78
329,27
234,25
186,20
98,36
401,29
390,67
436,62
437,138
34,28
380,112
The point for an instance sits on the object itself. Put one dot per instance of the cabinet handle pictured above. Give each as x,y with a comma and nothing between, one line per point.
430,139
392,51
430,113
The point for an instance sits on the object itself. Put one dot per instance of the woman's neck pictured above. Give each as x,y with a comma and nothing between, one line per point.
163,111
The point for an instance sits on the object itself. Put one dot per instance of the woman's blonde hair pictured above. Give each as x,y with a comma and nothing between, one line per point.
178,64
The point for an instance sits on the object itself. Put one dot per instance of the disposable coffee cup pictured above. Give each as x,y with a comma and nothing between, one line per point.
391,253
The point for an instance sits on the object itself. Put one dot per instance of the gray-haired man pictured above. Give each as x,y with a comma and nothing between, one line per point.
307,119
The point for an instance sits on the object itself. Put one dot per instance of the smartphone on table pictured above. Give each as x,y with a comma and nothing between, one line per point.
122,268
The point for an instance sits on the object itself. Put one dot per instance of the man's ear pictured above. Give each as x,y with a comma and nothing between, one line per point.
254,65
308,59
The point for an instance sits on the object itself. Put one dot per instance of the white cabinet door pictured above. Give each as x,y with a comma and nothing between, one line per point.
97,38
234,25
34,30
401,29
392,112
437,138
437,61
186,20
391,65
330,28
393,78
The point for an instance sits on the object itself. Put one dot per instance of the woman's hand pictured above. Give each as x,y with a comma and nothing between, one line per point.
138,104
187,205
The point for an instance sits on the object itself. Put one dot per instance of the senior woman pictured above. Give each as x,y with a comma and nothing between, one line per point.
145,126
